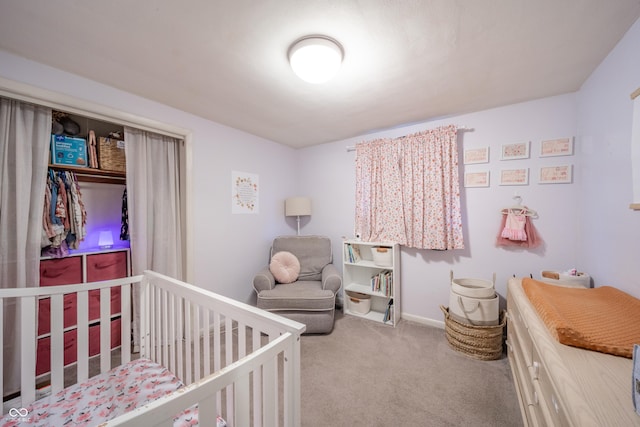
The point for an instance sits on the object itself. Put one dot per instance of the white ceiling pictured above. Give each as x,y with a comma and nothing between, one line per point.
405,60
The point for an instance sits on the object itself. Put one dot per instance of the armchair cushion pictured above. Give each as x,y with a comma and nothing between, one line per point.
285,267
313,252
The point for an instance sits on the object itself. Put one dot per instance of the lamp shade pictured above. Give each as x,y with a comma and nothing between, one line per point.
315,59
297,206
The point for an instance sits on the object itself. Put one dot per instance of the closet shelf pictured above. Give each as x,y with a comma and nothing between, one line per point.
94,175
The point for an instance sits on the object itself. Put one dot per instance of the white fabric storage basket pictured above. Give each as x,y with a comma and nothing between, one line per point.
582,280
474,301
382,256
358,303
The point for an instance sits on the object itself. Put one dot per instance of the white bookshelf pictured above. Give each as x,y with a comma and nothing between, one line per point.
357,275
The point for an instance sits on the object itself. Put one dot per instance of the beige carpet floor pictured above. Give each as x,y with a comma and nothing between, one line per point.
368,374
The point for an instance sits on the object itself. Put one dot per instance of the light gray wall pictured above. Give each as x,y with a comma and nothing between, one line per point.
327,172
609,241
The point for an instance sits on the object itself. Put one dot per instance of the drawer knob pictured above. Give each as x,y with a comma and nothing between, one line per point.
536,370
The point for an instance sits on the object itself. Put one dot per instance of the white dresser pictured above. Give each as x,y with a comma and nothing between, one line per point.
559,385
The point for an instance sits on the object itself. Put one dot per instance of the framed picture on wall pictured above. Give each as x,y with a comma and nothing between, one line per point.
515,151
556,147
476,155
556,174
476,179
514,176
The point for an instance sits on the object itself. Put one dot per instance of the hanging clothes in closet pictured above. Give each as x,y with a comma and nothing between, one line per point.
516,228
64,217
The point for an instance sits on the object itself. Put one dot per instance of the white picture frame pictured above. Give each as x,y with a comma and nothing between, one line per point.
515,151
518,176
562,174
476,155
476,179
556,147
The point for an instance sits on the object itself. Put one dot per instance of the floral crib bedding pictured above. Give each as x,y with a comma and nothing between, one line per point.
104,397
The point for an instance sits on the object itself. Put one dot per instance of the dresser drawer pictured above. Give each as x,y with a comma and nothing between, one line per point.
43,352
94,303
94,336
106,266
44,313
61,271
553,404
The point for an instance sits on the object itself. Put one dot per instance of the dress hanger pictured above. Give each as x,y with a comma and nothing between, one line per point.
520,208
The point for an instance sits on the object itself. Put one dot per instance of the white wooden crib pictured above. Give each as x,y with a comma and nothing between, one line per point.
235,361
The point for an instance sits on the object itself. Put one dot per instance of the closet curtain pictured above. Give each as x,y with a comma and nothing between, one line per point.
155,198
25,131
408,190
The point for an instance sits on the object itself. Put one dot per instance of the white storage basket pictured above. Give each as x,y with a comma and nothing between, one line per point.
382,256
581,280
474,301
358,303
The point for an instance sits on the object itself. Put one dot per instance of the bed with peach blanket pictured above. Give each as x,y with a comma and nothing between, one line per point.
569,384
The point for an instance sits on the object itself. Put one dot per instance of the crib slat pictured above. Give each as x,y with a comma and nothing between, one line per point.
105,330
157,324
125,319
28,349
291,387
241,401
208,410
257,383
164,318
83,335
179,341
57,343
187,329
217,349
206,318
172,332
228,339
270,407
196,343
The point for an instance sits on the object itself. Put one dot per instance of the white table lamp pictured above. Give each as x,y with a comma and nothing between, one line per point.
297,206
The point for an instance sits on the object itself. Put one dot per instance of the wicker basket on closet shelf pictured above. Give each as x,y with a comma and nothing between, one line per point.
111,154
479,342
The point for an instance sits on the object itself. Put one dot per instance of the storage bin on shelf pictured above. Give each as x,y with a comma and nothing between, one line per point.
382,256
474,301
111,154
358,302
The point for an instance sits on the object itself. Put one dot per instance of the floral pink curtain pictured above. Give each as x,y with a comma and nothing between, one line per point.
408,191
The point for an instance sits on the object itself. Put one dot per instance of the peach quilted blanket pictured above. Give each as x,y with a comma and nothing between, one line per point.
603,319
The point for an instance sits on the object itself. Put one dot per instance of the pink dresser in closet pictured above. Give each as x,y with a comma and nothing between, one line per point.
79,268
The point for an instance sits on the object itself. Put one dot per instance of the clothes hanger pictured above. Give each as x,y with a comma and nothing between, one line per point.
520,207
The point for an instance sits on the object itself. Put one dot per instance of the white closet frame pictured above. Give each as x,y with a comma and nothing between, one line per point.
70,104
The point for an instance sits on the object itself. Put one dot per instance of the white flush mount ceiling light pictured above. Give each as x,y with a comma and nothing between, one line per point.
315,59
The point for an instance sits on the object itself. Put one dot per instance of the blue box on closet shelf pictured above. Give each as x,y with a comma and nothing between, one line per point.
69,151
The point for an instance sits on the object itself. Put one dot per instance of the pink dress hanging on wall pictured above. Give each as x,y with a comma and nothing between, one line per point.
516,229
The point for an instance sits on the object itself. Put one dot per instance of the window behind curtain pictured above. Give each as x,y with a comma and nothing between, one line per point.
408,191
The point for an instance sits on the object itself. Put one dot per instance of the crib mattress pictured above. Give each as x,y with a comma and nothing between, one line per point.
100,398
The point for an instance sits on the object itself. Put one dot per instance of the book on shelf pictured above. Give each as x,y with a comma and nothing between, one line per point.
388,314
353,253
383,282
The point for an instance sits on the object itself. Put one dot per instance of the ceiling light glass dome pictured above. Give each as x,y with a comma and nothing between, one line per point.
315,59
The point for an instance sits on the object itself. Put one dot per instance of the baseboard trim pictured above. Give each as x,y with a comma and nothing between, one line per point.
423,320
